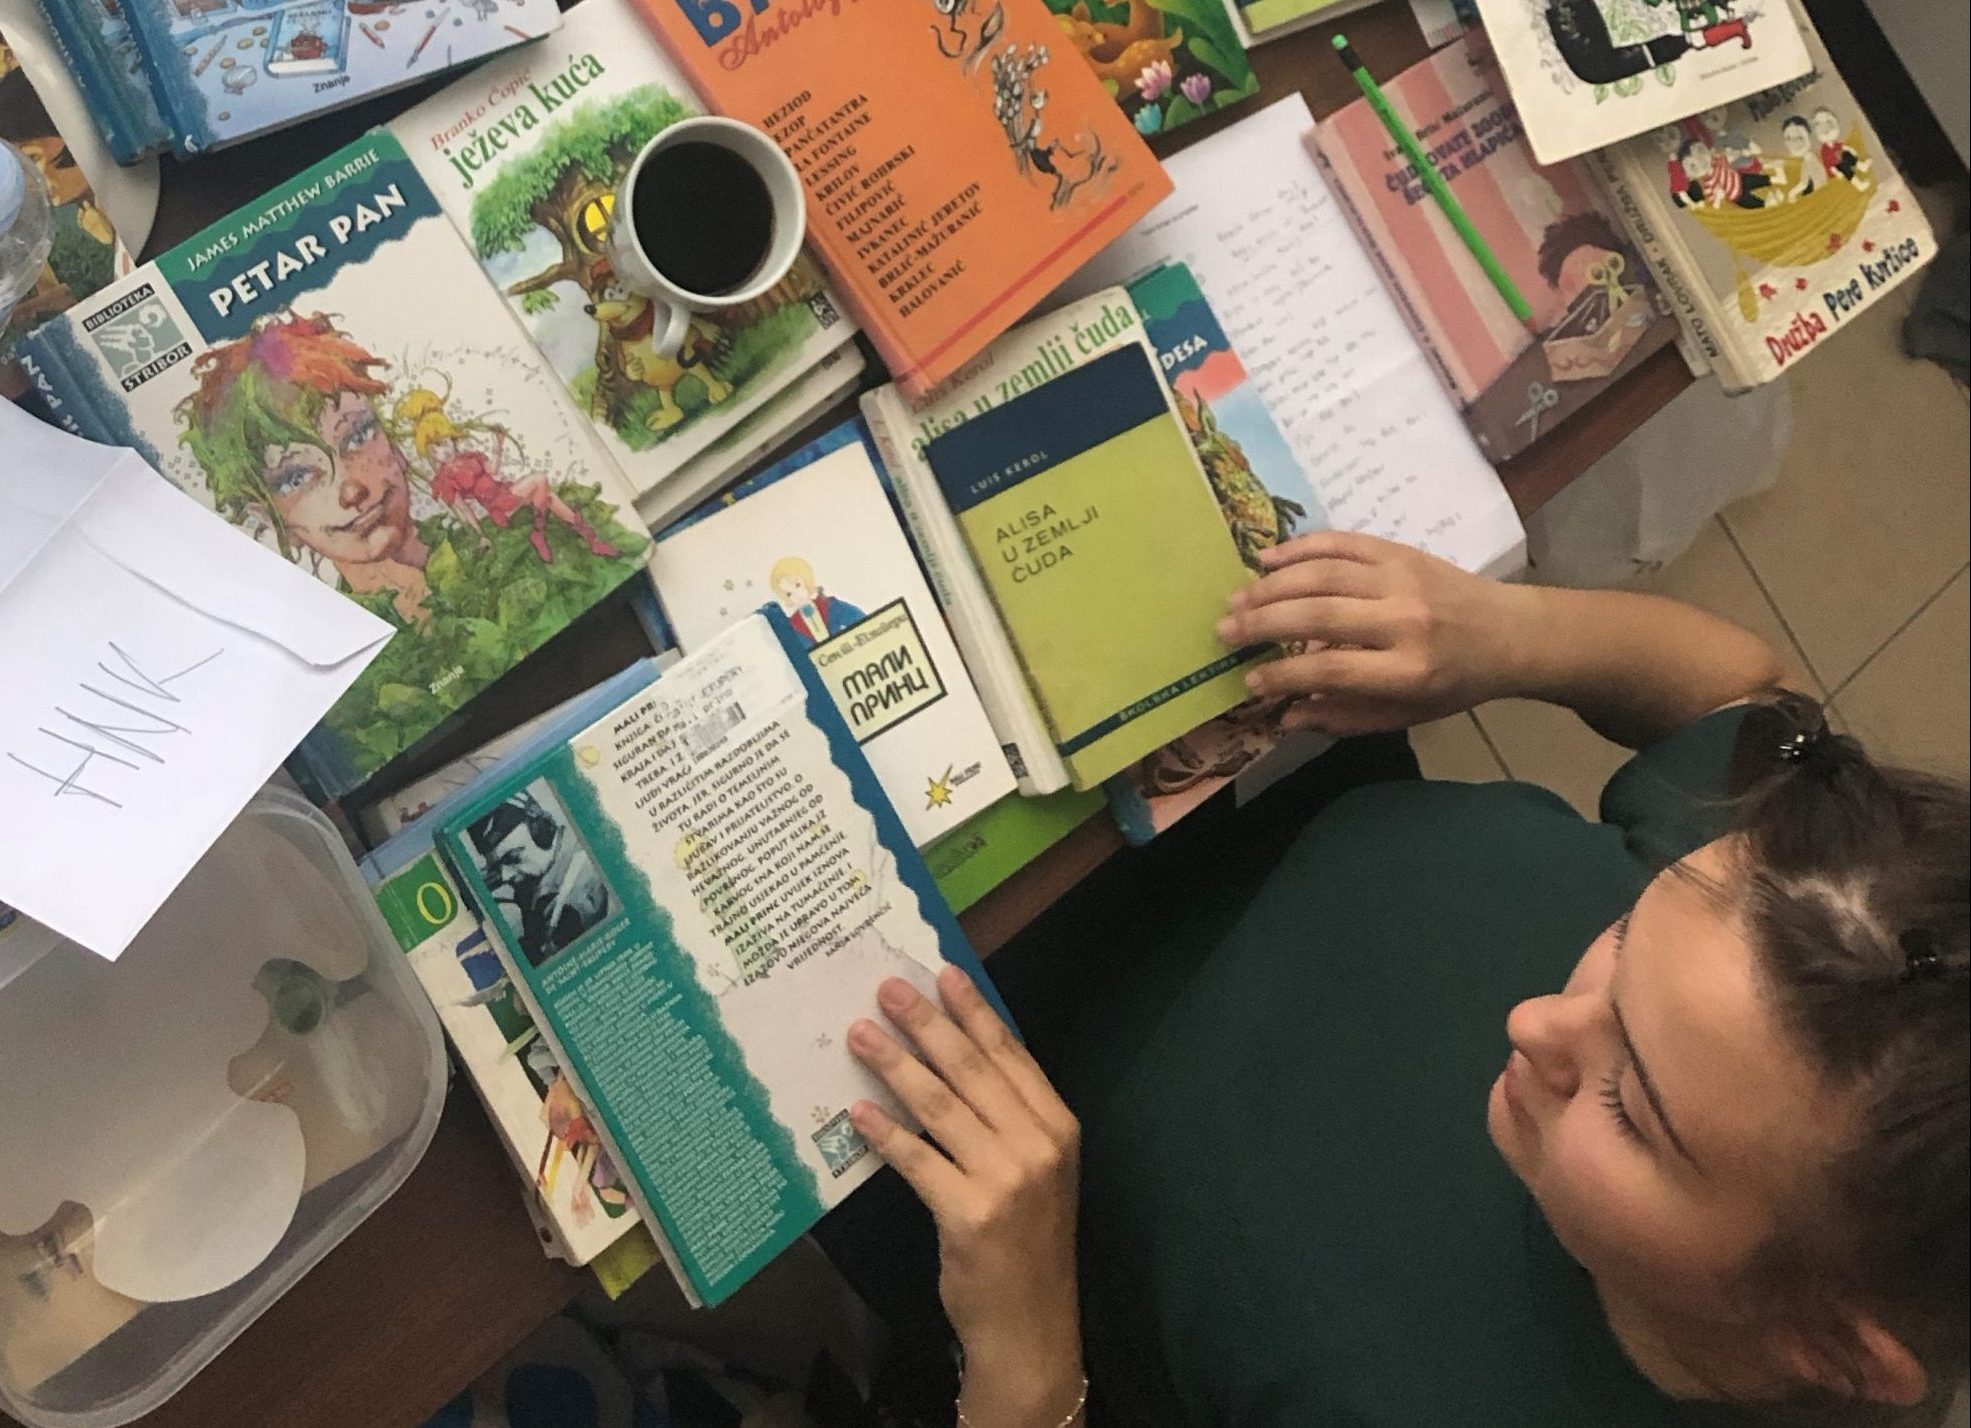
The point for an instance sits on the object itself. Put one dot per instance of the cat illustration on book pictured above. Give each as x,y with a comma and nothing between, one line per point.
297,435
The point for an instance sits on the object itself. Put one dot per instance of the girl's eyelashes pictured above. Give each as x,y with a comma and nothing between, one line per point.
1611,1097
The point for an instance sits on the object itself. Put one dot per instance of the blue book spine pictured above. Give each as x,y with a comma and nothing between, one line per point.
105,61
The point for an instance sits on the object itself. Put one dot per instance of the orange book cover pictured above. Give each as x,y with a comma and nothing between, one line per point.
960,161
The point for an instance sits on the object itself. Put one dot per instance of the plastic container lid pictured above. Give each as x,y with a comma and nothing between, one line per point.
189,1129
13,189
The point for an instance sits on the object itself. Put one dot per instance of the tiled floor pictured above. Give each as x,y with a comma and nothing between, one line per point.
1854,565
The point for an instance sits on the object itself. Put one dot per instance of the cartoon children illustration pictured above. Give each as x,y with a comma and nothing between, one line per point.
285,424
462,476
1670,142
1715,181
1583,34
1798,136
815,614
1835,155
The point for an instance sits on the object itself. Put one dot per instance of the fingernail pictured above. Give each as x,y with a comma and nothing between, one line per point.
862,1115
1255,683
951,981
895,995
1268,555
1228,630
863,1037
1236,599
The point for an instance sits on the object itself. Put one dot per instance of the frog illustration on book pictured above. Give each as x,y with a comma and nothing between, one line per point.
294,429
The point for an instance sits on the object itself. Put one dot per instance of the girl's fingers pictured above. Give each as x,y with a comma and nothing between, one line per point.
936,1180
1328,619
987,1028
1309,578
1328,545
938,1108
1328,671
952,1053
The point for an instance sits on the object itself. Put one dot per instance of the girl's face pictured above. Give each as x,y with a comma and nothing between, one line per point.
1656,1109
350,504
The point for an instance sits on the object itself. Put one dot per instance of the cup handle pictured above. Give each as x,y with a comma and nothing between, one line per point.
676,324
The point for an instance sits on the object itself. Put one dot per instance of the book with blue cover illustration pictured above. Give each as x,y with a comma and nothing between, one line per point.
95,39
328,370
816,533
1266,498
226,70
696,896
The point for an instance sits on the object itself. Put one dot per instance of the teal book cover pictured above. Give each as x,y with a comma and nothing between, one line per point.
328,370
696,896
1266,499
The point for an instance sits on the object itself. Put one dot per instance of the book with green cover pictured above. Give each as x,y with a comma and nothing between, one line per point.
1107,556
983,852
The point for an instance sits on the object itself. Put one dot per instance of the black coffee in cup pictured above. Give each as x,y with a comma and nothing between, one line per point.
704,216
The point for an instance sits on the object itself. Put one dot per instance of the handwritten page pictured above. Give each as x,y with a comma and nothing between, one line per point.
159,666
1311,320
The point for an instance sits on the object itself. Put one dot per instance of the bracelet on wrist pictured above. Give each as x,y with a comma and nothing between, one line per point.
1074,1413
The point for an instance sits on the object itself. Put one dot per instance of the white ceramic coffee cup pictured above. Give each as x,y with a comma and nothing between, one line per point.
633,265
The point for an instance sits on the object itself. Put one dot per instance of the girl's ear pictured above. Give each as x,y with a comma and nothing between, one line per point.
1864,1360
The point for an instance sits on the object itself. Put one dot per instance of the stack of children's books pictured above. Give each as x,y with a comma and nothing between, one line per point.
936,639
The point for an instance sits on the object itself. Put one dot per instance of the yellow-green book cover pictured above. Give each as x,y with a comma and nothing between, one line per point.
1107,557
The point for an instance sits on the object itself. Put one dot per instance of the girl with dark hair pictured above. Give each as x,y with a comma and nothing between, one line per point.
1451,1107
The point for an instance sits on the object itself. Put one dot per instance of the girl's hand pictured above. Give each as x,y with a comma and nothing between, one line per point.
1389,636
1001,1182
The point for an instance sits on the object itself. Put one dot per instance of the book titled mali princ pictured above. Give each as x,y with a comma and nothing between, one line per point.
1107,556
696,897
960,160
328,369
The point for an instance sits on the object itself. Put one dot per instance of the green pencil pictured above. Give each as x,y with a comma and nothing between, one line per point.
1433,181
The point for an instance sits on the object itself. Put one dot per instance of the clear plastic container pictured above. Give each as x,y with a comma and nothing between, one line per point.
186,1131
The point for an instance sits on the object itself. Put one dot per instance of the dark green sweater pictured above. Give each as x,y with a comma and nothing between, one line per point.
1294,1216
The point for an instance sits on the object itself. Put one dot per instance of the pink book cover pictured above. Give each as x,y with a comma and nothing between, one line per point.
1597,311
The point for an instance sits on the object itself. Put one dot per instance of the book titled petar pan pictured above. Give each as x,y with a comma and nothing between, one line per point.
960,160
1107,555
697,896
329,371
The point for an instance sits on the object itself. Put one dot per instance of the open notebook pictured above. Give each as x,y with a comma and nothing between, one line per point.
1305,309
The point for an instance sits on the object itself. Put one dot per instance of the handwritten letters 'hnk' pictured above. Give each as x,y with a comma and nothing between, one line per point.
160,665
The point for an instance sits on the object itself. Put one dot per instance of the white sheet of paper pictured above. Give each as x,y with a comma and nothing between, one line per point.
160,666
1310,318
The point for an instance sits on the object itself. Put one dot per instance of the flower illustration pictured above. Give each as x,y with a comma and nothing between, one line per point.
1149,120
1155,80
1197,88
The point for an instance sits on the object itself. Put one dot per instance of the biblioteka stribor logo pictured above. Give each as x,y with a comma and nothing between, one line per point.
137,336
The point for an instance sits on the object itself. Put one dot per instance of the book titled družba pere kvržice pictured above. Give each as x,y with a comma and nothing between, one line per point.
696,896
1106,554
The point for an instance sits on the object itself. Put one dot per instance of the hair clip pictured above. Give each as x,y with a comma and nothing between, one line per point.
1921,960
1798,746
